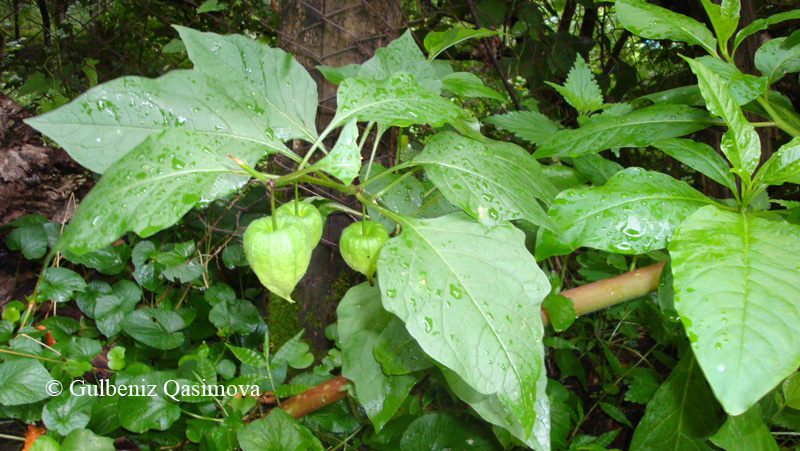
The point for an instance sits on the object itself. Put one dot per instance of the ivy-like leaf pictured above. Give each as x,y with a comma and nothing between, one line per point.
470,296
493,181
740,143
654,22
110,309
635,212
746,336
23,382
155,184
155,327
30,239
581,89
277,431
344,160
252,70
636,129
528,125
144,412
67,412
60,284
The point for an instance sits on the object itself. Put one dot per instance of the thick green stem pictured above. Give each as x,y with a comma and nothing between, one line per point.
775,116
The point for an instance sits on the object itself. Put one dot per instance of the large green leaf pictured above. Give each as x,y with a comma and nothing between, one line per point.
146,406
344,160
699,156
470,295
636,129
581,89
682,413
397,351
361,321
763,24
774,61
783,165
401,55
740,143
742,87
155,327
737,282
397,101
724,18
23,382
67,412
654,22
277,432
252,70
467,84
445,431
528,125
493,181
746,432
154,185
437,42
60,284
491,409
86,440
108,121
635,212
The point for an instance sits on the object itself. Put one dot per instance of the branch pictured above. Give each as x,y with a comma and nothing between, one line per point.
318,397
492,56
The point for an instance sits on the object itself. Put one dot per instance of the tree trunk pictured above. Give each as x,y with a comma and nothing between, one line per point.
45,13
333,33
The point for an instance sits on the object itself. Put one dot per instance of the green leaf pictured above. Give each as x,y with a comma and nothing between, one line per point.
86,440
699,156
397,351
238,316
252,70
67,412
682,414
60,285
361,320
154,185
636,129
109,260
783,166
105,123
470,296
642,385
437,42
654,22
157,328
635,212
491,409
401,55
685,95
336,75
248,356
294,353
467,84
763,24
444,431
277,432
581,89
755,315
397,101
746,432
724,18
493,181
379,394
615,413
344,160
791,391
743,87
740,143
30,239
528,125
560,310
142,411
563,177
110,309
45,443
595,168
23,382
775,61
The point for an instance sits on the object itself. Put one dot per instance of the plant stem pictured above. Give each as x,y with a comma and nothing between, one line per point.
612,291
20,354
318,397
388,171
272,205
783,125
394,182
378,136
12,437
